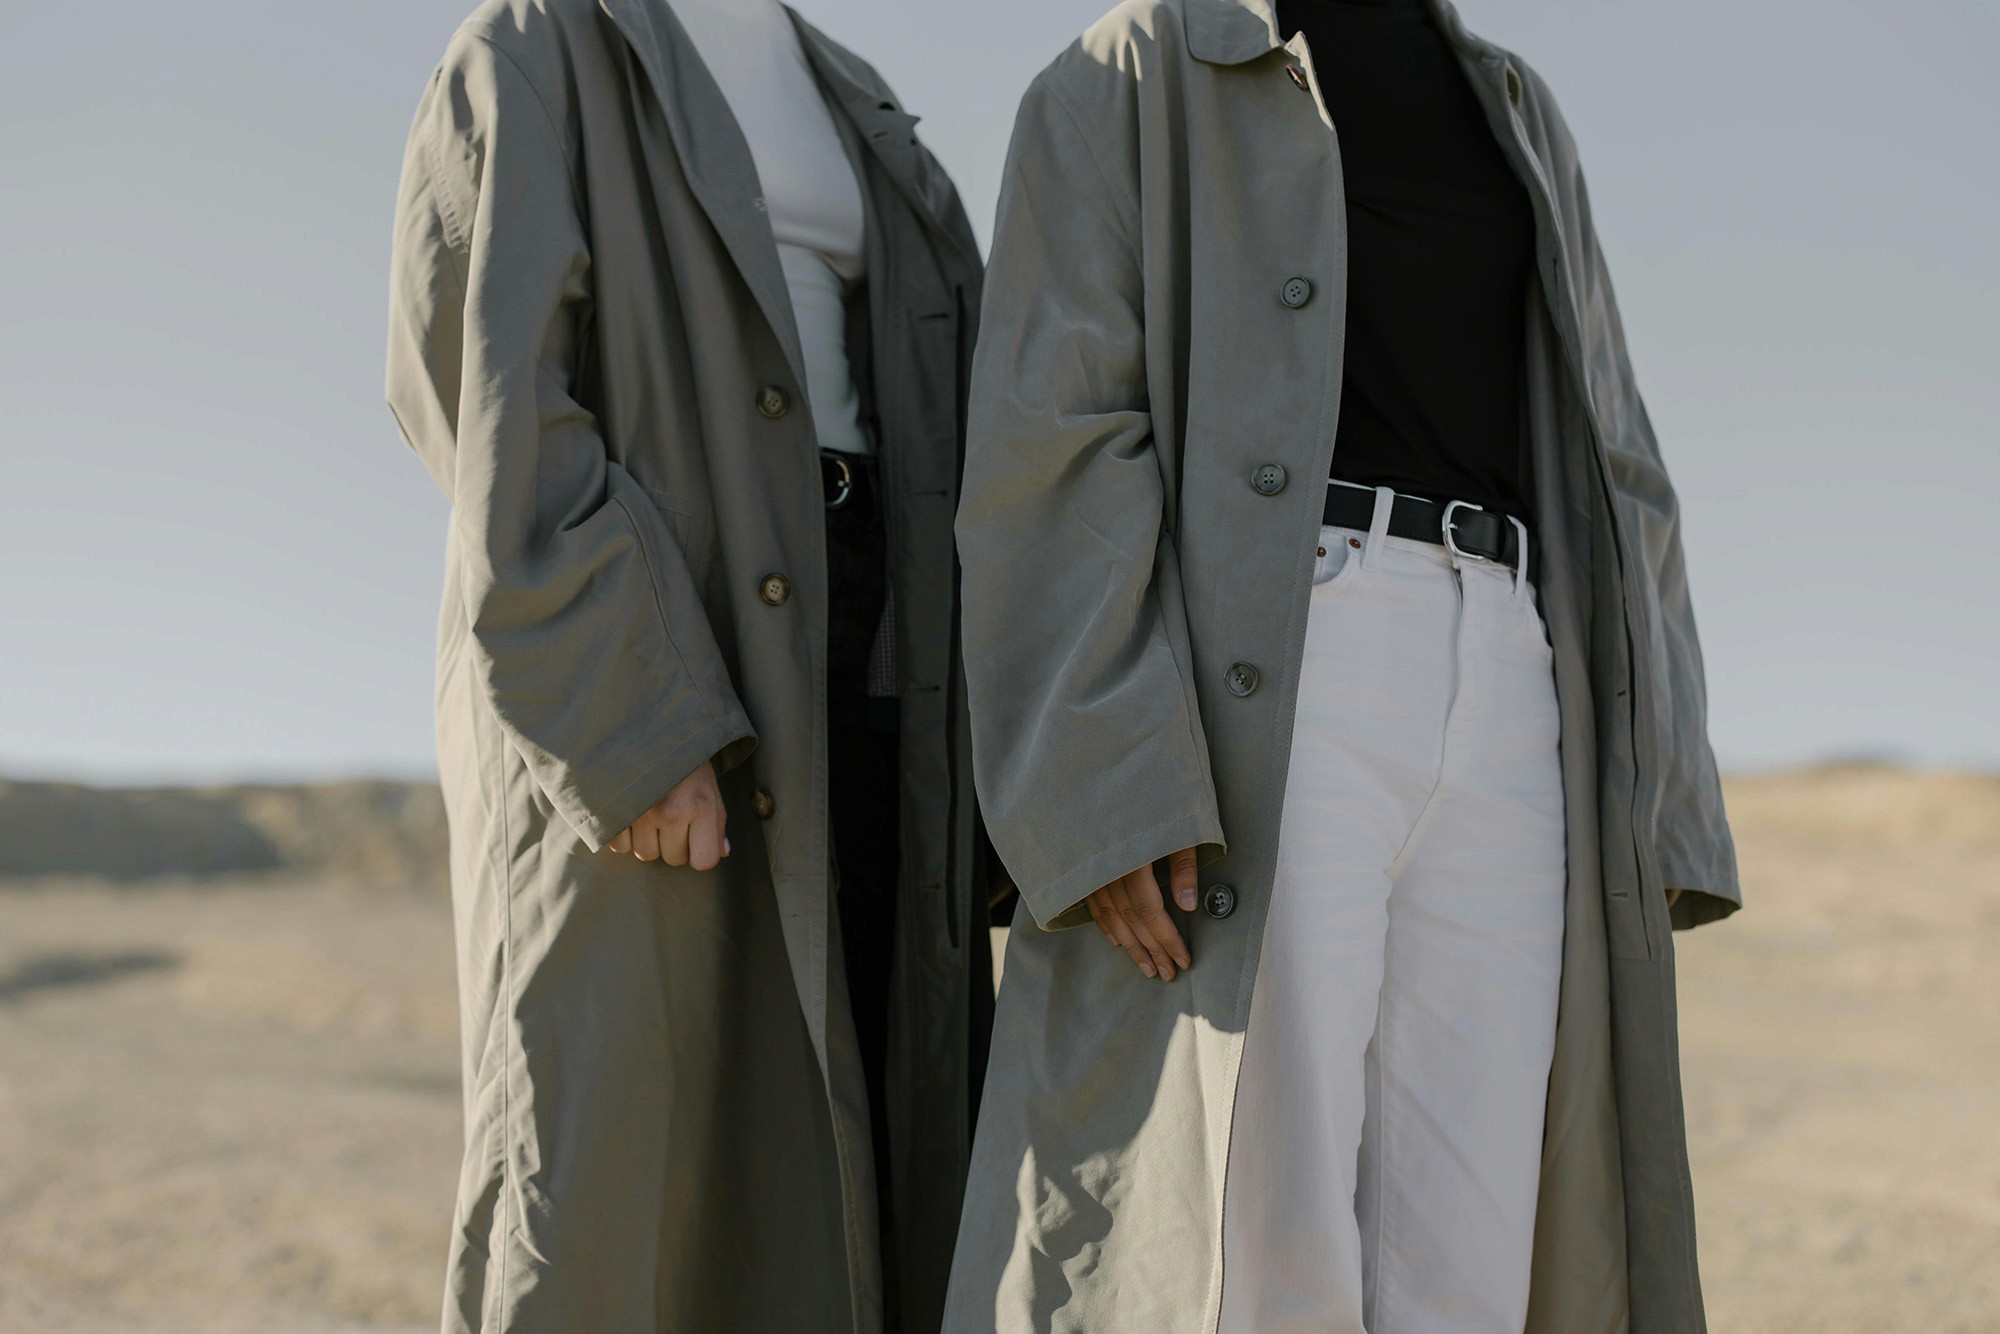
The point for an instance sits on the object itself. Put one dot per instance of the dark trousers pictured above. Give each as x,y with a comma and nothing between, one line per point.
864,792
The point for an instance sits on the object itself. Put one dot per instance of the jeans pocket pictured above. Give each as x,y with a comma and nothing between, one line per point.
1339,562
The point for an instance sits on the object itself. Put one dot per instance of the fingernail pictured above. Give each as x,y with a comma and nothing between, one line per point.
1186,898
725,847
1147,969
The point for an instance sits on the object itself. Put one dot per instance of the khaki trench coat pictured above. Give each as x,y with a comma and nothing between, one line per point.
1167,178
592,349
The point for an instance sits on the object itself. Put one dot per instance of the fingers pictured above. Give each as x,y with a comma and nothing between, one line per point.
1137,897
692,831
674,842
1186,879
1112,919
705,841
1097,914
1156,924
646,841
687,827
704,845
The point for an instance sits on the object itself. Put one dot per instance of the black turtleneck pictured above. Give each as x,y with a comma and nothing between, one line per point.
1440,248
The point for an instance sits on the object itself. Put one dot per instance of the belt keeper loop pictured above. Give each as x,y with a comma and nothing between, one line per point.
1378,526
1520,560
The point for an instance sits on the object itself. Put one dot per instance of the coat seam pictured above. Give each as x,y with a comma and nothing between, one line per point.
660,610
1128,209
510,1223
457,237
485,38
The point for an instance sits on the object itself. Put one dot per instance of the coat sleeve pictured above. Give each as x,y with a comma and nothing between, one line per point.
1690,832
588,637
1691,835
1087,742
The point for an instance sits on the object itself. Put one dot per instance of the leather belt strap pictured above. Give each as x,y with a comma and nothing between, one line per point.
1474,531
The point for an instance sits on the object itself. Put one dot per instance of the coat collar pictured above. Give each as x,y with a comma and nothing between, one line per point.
1235,32
1231,32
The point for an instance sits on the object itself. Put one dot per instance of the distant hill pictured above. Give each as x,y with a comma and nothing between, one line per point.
364,830
394,833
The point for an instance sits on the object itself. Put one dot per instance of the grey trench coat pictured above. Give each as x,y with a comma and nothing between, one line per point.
592,350
1167,178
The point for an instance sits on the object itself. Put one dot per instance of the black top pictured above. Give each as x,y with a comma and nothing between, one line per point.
1440,249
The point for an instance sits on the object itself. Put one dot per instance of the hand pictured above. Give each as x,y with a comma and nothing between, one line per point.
684,828
1130,912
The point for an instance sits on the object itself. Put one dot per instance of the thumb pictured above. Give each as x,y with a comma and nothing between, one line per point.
1185,878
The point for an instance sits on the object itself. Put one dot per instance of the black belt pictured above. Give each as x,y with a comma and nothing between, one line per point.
1458,524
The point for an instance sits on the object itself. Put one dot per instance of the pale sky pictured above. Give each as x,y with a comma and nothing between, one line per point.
218,559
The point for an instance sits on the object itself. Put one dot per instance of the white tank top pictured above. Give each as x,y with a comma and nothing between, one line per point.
810,191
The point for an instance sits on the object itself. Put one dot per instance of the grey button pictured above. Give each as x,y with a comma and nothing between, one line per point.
774,589
1296,292
1219,901
1241,678
764,804
773,402
1269,479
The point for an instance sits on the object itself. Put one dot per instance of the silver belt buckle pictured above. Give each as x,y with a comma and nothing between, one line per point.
845,484
1451,533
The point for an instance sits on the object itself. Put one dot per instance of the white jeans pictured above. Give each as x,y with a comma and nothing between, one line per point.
1387,1145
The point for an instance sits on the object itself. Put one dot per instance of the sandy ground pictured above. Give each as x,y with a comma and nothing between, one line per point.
233,1106
1841,1049
225,1109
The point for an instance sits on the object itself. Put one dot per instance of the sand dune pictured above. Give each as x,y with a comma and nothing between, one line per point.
229,1102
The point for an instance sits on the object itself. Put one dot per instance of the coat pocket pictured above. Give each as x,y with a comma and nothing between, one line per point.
693,530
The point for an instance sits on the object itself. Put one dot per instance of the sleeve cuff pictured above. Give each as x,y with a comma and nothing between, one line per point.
1689,908
728,741
1058,904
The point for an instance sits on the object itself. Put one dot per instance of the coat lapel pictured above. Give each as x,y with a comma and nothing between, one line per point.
714,156
888,132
